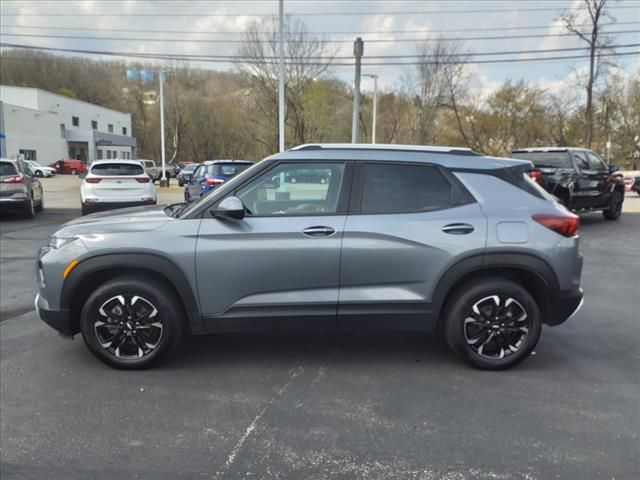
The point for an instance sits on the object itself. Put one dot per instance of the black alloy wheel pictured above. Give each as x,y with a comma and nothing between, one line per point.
493,323
132,322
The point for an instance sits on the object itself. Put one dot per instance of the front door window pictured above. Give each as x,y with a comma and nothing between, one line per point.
294,189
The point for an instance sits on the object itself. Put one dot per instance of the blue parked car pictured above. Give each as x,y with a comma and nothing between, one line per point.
211,174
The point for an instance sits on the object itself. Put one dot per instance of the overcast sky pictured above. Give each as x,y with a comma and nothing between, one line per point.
376,20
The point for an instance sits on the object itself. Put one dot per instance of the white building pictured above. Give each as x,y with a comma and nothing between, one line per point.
48,127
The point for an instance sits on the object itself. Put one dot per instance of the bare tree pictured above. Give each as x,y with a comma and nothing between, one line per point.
596,42
436,84
307,58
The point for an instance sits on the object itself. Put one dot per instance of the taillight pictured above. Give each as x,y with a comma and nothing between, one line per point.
143,180
535,175
92,180
566,225
215,181
14,179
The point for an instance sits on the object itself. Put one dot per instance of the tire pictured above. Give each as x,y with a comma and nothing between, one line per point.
40,206
38,173
29,210
507,340
615,206
73,171
180,184
86,210
115,338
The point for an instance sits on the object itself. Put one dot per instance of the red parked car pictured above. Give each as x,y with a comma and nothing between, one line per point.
71,166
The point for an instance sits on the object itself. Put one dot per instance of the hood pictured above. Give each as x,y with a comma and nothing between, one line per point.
135,219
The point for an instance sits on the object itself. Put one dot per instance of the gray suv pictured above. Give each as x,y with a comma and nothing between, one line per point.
377,237
20,191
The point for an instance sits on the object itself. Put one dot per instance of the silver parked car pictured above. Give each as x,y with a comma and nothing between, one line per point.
20,191
376,237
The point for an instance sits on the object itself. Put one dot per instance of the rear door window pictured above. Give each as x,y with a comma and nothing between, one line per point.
404,188
581,160
7,169
117,169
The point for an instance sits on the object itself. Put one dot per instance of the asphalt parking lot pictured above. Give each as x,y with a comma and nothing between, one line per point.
387,406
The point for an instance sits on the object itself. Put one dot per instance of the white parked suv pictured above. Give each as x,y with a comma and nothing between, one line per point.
115,184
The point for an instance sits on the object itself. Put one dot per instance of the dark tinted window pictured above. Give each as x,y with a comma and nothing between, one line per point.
545,159
117,169
595,163
227,169
404,188
191,167
581,160
7,168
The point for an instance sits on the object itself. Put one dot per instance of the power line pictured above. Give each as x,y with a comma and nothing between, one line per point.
269,61
303,14
397,40
421,56
334,32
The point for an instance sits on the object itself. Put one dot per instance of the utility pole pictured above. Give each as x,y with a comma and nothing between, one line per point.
358,50
163,178
375,104
281,77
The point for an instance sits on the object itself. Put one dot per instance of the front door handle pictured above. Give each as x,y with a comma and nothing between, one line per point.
458,228
319,231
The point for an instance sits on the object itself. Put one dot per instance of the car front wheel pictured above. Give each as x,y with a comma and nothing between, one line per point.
132,322
38,173
492,323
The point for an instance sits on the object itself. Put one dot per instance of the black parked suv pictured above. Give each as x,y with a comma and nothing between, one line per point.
578,178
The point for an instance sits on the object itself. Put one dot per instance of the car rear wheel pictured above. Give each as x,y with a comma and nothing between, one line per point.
38,173
132,323
492,323
74,171
29,209
40,205
615,206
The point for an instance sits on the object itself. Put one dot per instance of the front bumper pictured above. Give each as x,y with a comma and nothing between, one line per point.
57,319
564,305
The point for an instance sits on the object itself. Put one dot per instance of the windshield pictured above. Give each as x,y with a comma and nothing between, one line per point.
124,169
545,159
191,167
227,169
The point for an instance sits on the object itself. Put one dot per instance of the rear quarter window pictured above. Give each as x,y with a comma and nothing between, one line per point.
117,169
7,168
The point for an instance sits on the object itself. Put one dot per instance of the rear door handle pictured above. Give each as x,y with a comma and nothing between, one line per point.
458,228
319,231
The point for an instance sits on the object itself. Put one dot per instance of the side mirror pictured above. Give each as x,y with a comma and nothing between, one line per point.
613,168
273,183
230,207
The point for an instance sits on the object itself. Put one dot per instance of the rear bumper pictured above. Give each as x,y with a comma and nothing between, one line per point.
102,205
57,319
564,305
14,202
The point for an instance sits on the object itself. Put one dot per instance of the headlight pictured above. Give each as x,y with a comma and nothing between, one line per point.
59,242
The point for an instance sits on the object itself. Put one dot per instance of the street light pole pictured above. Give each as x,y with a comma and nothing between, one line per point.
375,104
281,77
358,50
163,178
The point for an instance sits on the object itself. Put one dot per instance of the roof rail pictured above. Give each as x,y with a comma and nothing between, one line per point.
386,147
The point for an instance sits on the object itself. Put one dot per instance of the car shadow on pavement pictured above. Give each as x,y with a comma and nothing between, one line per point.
239,349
